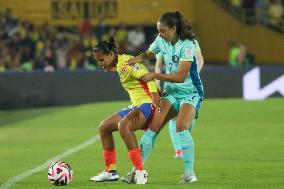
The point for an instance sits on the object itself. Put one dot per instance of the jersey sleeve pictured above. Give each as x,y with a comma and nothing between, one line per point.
187,51
138,70
196,45
154,47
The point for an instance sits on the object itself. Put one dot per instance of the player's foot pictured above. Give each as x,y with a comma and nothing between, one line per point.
178,154
141,177
129,177
187,178
106,176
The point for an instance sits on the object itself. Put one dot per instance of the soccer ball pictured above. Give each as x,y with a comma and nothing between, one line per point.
60,173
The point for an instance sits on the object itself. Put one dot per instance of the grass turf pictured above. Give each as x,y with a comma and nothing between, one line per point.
238,144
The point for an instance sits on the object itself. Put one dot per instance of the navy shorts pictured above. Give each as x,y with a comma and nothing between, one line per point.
146,108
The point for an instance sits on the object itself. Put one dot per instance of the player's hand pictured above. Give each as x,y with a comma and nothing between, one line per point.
132,61
149,77
156,101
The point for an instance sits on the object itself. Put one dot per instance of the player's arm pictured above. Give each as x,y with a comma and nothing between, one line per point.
138,71
140,58
154,49
158,69
200,60
155,95
178,77
187,56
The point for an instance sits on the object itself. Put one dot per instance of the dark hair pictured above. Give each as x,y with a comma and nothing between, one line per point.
106,47
183,26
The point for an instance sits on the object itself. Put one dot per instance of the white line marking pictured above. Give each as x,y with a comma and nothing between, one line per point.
12,181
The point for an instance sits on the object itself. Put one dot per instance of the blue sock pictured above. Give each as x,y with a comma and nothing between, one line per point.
187,147
173,134
147,143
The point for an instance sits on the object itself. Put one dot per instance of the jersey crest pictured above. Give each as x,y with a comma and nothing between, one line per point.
124,69
175,59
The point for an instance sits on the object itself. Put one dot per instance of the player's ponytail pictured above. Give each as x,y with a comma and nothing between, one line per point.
183,26
106,47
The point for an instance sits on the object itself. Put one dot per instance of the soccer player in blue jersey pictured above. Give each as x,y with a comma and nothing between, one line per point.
183,89
172,124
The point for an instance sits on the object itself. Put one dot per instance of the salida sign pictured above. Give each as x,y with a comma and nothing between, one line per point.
93,9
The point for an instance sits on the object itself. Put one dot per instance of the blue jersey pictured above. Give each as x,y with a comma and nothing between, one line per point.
159,56
172,55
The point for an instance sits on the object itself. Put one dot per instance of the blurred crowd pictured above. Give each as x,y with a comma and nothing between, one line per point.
239,55
265,12
27,47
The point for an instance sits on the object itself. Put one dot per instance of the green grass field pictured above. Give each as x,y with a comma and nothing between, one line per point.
238,144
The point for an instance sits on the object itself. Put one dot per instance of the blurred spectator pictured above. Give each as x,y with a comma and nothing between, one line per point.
136,40
276,12
61,52
121,38
2,63
85,27
101,29
234,52
239,55
236,3
249,10
8,18
261,9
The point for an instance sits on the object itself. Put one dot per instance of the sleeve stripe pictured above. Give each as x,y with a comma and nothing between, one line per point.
145,88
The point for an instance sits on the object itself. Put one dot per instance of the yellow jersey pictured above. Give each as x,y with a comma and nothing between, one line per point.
130,78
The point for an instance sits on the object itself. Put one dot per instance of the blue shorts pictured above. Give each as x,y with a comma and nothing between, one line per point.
178,100
146,108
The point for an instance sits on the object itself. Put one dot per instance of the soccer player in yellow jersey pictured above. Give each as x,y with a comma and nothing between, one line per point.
144,97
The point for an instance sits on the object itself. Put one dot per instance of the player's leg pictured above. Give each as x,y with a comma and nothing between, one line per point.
188,111
127,127
106,128
135,120
174,138
157,123
185,117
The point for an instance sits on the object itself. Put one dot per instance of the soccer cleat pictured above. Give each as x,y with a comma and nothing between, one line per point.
129,177
186,178
141,177
106,176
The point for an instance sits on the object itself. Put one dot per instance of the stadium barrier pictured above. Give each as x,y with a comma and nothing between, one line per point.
21,90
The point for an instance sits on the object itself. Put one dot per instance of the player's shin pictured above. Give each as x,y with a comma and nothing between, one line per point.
136,158
173,134
147,143
110,159
187,147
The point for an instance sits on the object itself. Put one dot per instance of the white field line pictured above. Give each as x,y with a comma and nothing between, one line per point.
12,181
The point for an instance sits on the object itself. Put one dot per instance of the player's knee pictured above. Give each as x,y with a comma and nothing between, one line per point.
123,126
103,128
181,127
